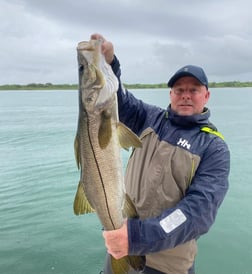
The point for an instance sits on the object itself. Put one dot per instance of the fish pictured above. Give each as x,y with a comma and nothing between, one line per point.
99,139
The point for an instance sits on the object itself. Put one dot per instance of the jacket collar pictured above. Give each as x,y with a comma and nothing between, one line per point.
189,121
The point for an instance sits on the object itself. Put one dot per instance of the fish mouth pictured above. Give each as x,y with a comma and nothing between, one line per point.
89,46
85,45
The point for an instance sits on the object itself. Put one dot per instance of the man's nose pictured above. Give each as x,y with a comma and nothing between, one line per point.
186,93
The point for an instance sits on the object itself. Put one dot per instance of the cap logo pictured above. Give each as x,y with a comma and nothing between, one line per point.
186,69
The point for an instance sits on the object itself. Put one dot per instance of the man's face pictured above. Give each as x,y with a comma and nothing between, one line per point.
188,96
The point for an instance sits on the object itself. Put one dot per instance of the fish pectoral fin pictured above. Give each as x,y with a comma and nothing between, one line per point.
129,210
105,129
81,204
76,151
127,138
122,265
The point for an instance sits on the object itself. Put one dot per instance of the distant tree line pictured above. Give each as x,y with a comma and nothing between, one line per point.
39,86
230,84
50,86
211,85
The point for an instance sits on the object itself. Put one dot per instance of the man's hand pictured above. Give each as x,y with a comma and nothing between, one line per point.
107,47
116,241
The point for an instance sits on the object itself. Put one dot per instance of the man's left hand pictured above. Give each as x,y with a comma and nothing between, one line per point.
116,241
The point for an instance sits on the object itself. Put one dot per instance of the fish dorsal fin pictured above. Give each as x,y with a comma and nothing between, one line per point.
105,129
81,204
127,138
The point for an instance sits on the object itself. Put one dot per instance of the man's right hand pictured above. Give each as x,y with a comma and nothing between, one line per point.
107,47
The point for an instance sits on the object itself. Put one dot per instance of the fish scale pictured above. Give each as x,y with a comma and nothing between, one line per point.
101,167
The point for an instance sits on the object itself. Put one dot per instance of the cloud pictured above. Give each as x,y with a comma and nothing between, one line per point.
152,38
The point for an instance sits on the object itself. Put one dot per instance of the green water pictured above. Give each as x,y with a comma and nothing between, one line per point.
38,178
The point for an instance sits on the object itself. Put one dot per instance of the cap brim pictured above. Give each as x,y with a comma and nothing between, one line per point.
180,75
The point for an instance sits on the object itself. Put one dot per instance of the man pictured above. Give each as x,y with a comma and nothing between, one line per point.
179,177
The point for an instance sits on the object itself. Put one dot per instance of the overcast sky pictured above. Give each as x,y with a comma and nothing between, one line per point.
152,38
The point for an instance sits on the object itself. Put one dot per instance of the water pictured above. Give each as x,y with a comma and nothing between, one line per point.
38,178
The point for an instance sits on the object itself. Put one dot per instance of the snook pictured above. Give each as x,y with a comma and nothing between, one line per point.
97,147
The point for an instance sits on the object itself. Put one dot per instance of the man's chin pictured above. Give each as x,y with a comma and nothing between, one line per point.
185,111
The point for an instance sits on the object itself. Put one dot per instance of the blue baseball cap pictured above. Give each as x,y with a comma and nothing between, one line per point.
189,70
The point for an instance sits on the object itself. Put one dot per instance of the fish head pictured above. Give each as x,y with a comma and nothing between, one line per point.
97,82
91,79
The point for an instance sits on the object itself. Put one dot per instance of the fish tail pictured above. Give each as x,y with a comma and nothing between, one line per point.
136,262
123,265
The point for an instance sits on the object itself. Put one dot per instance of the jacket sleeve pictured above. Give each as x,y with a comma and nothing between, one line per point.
132,111
193,215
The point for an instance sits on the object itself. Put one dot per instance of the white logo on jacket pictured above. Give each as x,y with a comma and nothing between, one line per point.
184,143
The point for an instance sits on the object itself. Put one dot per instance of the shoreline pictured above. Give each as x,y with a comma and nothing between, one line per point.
49,86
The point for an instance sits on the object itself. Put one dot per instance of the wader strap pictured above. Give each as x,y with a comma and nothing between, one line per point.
212,131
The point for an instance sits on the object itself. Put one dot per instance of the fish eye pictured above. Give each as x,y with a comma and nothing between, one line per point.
81,68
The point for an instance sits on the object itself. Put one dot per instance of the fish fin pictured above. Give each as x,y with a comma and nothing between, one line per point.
105,129
81,204
76,151
122,265
127,138
136,262
129,210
